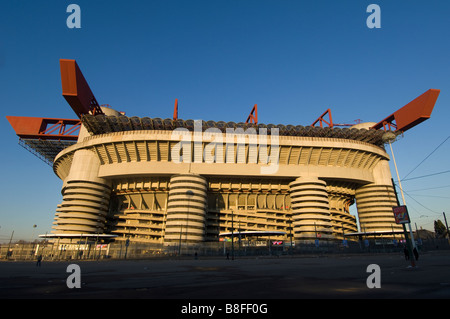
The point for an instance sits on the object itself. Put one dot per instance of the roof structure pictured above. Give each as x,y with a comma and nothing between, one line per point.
46,137
46,150
103,124
46,147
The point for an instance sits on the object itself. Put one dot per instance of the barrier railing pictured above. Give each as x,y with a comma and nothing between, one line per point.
119,250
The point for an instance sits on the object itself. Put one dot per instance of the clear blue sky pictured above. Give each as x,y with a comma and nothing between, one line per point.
293,58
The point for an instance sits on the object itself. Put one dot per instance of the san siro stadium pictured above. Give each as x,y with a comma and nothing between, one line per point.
168,181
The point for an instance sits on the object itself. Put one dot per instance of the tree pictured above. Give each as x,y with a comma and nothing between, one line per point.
439,228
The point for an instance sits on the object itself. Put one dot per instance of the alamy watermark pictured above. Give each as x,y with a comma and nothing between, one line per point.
374,279
74,19
374,19
262,148
74,279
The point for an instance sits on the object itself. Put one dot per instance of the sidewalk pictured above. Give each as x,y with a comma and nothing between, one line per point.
217,278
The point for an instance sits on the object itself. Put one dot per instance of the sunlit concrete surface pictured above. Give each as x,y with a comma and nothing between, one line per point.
127,177
242,278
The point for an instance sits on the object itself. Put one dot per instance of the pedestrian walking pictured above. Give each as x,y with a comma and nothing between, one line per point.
39,259
416,253
406,252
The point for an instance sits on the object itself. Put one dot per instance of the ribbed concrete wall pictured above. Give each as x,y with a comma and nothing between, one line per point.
355,169
374,203
186,209
84,208
310,208
85,197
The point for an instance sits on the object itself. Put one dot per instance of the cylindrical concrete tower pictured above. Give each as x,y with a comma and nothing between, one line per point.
85,197
186,209
375,201
310,208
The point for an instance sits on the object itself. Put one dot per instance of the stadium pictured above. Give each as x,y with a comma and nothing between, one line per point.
167,181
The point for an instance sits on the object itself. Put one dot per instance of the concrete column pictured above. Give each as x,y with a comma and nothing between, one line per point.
85,197
186,209
374,201
310,209
342,221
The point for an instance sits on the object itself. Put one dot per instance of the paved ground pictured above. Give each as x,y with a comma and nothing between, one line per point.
217,278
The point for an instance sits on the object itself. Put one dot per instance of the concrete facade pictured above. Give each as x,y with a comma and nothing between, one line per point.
133,184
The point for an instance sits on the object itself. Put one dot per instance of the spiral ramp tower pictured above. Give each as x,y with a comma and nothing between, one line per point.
83,209
310,209
85,203
374,201
186,209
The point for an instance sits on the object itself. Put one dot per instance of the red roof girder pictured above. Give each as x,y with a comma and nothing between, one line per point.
45,128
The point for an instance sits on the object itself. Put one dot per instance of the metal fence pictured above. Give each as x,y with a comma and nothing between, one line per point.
119,250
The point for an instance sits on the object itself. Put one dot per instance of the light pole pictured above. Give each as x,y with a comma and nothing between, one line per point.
290,235
239,232
9,245
179,243
232,234
446,225
410,243
32,234
403,196
189,194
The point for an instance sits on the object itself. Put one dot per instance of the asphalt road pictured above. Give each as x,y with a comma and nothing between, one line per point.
309,277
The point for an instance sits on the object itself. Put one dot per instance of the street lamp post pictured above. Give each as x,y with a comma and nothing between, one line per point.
189,194
179,243
410,243
9,245
232,235
290,235
239,232
403,196
446,225
32,234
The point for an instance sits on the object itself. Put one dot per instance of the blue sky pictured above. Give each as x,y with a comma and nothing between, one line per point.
295,59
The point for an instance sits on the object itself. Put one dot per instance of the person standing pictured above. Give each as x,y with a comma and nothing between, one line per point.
406,252
416,253
39,259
